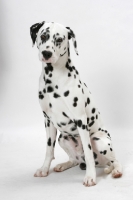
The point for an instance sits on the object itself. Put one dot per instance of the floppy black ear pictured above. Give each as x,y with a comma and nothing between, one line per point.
72,35
34,30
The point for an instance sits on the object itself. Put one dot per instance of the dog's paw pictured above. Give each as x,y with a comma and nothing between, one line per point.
59,168
42,172
89,181
116,173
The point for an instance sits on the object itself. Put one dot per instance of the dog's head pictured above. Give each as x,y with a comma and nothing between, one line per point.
52,40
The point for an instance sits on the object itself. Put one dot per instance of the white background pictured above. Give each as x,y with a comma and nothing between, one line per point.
104,32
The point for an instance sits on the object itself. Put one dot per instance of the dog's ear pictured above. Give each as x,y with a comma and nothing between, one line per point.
72,35
34,30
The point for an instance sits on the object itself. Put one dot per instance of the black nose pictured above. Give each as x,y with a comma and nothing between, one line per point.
46,54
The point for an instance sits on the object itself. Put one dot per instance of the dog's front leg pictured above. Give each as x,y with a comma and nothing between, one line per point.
51,133
90,177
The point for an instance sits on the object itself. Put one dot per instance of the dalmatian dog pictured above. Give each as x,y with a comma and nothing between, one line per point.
68,106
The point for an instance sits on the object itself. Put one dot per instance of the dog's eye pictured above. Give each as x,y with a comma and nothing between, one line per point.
59,40
43,37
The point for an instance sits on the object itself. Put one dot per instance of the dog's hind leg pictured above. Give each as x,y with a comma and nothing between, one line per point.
70,144
102,145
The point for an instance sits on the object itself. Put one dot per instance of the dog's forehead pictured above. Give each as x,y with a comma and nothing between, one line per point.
54,28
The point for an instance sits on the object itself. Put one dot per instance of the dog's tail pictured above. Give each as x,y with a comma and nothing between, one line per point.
82,166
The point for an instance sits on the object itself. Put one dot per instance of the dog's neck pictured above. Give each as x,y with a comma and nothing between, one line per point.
58,73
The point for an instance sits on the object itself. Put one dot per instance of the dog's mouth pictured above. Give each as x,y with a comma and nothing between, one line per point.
50,60
47,61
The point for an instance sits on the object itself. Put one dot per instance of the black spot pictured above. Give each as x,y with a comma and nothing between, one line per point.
48,124
96,116
68,51
69,67
73,128
49,142
99,129
50,105
76,122
108,134
66,93
69,60
64,114
59,125
79,123
104,152
62,123
69,74
74,76
45,115
87,120
82,166
95,155
88,100
83,126
44,90
89,146
79,86
65,132
60,136
41,96
70,121
109,144
90,124
93,110
54,143
75,44
50,89
85,84
95,138
49,68
66,137
56,86
87,128
75,99
75,104
48,81
82,91
85,104
73,67
50,75
92,118
76,72
112,161
96,163
55,95
111,149
74,140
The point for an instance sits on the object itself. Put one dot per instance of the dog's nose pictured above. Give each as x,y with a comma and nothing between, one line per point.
46,54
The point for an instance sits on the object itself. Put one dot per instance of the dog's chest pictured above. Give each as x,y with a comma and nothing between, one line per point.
52,103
